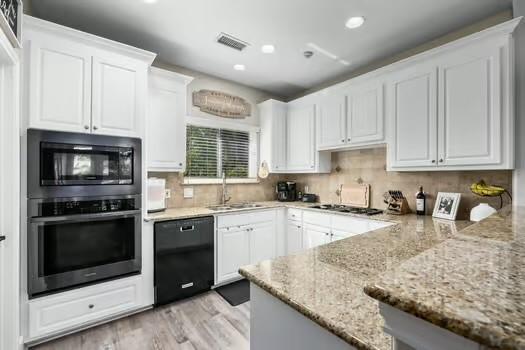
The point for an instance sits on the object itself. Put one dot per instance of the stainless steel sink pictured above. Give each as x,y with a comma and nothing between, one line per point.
234,206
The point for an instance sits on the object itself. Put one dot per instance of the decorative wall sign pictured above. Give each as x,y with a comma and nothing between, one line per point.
221,104
11,20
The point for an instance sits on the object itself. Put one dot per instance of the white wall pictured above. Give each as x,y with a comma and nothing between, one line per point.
205,81
519,173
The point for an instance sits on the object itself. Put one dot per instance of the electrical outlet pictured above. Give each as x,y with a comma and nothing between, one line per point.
168,193
188,192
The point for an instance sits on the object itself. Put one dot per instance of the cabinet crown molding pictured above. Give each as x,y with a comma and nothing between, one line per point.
39,25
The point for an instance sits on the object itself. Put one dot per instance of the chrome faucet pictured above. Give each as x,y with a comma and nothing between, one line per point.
225,197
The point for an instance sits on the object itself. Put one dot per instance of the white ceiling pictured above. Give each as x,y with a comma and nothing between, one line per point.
183,32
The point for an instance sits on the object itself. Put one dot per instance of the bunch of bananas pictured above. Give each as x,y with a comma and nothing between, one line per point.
482,189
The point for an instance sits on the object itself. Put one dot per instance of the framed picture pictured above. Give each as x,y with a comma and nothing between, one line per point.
446,205
11,20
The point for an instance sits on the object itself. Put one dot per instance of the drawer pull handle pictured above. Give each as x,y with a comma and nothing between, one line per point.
91,306
187,228
187,285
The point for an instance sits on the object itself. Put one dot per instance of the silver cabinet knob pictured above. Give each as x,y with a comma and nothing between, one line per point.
349,139
180,164
95,127
343,140
298,226
86,127
2,238
441,160
433,160
91,306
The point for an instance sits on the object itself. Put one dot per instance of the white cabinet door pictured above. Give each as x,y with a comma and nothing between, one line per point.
294,237
119,93
315,236
232,252
272,115
365,114
301,138
413,111
166,128
262,242
59,82
470,107
331,121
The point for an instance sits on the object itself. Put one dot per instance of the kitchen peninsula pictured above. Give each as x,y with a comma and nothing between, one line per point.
408,266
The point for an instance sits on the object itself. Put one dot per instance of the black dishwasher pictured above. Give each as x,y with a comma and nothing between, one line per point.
184,258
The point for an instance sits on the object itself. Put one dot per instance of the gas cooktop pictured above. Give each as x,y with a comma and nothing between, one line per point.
347,209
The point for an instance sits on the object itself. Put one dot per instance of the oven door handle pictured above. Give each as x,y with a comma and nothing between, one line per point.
84,217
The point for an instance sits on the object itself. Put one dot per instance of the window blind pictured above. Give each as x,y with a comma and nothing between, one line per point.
210,152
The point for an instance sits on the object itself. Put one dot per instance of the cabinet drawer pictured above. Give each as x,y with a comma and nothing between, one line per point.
350,224
252,217
295,214
69,310
319,219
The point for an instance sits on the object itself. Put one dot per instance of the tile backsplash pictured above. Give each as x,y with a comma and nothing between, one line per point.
205,195
368,165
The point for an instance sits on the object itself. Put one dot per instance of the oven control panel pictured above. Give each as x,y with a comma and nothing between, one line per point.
86,207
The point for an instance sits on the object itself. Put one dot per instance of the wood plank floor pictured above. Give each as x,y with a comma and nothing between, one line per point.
206,321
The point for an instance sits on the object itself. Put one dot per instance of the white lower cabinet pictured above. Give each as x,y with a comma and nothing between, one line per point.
314,236
233,252
262,242
294,237
244,239
315,228
77,308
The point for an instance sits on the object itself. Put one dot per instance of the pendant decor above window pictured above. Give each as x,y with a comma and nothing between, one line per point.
10,20
222,104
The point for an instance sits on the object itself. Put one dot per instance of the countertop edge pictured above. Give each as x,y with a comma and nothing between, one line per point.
318,319
454,325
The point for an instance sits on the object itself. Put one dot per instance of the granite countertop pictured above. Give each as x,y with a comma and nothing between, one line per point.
192,212
472,285
326,283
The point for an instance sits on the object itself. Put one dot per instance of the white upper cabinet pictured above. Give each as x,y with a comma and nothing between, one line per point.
272,115
331,122
59,85
470,117
118,101
83,83
351,116
301,138
455,111
413,113
166,126
365,115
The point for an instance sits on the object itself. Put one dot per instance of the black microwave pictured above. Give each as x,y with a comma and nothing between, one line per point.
63,164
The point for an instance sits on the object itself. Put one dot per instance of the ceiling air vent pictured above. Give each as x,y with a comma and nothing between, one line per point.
231,41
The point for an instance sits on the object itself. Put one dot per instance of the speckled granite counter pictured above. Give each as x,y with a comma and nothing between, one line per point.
186,213
326,283
472,285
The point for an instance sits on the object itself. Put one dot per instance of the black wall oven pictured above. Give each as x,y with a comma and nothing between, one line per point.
84,209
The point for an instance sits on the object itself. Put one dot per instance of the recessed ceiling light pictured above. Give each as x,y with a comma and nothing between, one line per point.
355,22
268,48
150,1
239,67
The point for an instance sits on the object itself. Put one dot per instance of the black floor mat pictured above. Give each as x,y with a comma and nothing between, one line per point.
235,293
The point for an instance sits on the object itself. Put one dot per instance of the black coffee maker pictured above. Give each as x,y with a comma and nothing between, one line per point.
286,191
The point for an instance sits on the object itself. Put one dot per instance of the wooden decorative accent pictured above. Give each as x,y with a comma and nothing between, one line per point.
11,20
221,104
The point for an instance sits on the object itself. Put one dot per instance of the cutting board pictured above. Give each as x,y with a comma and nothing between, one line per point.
356,195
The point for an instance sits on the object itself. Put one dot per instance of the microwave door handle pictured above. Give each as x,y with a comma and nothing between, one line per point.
84,217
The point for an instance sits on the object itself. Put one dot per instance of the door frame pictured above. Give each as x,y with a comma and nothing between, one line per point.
10,194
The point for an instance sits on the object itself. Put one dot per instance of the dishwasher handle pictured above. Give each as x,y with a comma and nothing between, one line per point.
187,228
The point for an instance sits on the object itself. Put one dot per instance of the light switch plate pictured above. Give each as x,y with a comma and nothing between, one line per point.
188,192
